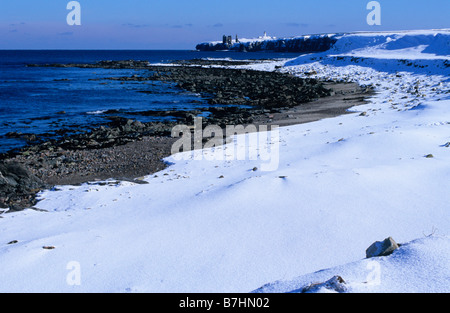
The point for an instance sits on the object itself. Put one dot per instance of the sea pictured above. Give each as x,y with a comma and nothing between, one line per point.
46,100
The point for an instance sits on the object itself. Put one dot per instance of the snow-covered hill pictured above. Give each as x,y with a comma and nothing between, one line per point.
423,44
222,226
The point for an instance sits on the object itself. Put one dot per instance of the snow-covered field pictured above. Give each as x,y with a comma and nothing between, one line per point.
224,226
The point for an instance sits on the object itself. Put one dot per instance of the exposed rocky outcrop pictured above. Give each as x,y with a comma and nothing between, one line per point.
18,186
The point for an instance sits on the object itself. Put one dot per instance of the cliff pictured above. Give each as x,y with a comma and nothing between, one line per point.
302,44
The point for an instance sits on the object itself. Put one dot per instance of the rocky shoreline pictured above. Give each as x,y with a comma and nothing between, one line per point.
125,148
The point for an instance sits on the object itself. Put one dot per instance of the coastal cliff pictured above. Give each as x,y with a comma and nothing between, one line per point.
303,44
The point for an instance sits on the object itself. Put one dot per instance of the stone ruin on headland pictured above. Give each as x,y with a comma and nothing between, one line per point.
302,44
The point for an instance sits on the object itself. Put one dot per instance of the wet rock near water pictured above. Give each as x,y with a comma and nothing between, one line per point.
224,86
260,89
123,64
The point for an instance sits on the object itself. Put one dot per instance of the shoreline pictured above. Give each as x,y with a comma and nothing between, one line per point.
139,152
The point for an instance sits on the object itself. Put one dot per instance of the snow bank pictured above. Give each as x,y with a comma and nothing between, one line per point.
221,226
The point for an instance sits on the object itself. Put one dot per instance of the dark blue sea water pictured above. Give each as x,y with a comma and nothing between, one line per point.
43,100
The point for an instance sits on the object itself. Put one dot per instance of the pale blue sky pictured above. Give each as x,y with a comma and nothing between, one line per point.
181,24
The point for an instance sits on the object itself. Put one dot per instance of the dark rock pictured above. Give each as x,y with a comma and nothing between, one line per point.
335,284
18,186
14,135
382,248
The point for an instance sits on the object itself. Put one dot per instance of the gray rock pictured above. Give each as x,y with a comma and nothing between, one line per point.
382,248
7,180
18,186
335,284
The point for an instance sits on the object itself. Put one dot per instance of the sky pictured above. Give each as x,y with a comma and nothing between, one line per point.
181,24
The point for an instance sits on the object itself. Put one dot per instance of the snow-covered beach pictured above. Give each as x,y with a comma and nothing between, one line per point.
227,226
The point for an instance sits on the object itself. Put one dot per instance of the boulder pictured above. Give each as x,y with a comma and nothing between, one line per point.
18,186
382,248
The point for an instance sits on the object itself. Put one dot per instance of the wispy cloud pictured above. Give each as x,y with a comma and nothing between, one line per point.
135,25
132,25
297,24
65,34
17,24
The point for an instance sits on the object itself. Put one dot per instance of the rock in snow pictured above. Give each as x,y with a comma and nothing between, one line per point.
381,248
335,284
